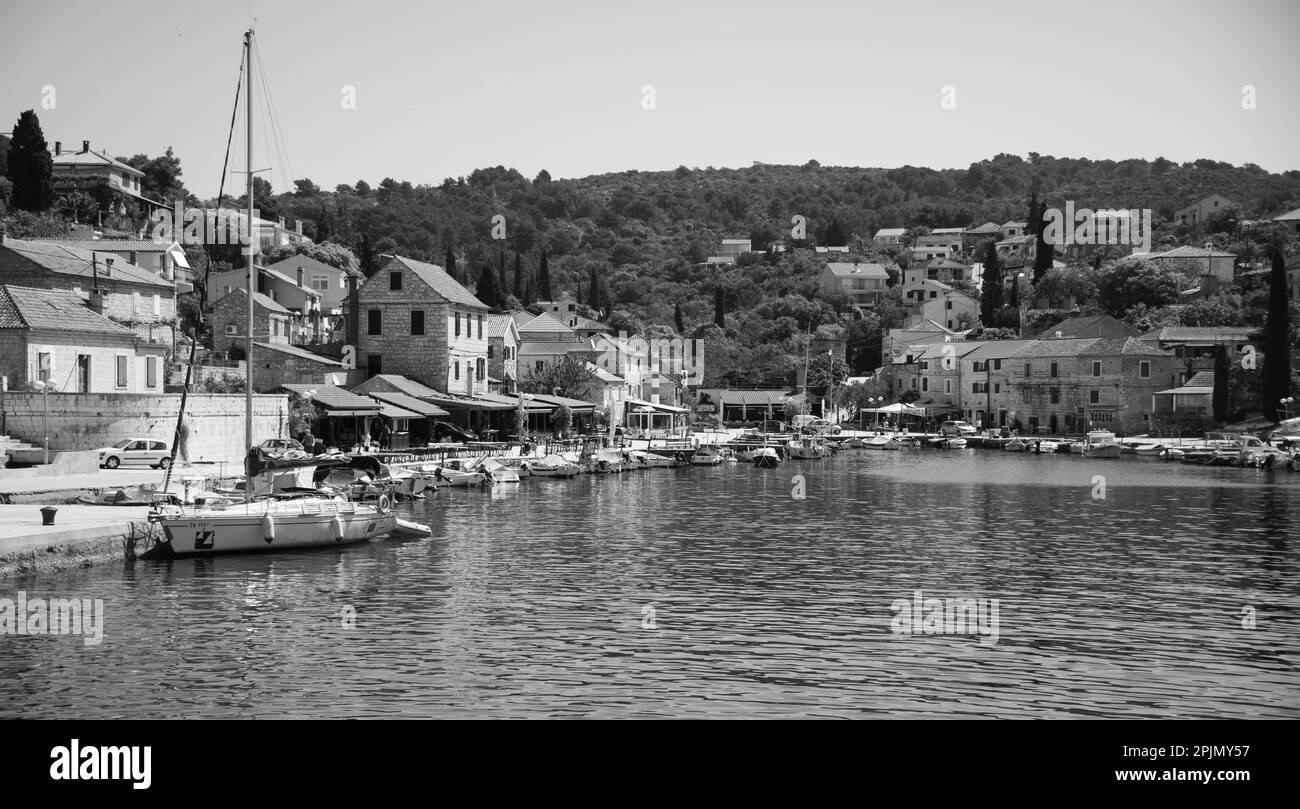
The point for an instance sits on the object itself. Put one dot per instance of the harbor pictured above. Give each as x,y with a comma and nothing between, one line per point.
537,600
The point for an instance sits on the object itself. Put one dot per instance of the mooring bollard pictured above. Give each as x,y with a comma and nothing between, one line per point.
47,515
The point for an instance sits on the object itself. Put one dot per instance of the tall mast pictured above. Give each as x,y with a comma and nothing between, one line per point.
252,248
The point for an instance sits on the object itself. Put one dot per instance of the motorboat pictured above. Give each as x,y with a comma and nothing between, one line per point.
652,460
1100,444
409,529
453,472
607,461
497,472
882,442
1149,450
767,458
806,449
1171,454
553,466
1018,445
515,464
706,456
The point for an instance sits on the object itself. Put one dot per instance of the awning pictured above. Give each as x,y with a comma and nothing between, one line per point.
469,403
340,412
575,405
662,408
531,405
417,406
394,412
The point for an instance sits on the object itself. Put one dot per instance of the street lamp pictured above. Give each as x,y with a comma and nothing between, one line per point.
1286,402
45,388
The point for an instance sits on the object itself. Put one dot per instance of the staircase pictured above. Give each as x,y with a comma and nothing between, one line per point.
10,446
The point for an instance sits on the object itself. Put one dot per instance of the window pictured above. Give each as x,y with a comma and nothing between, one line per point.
1096,368
1029,370
1055,395
375,321
480,327
978,366
948,304
43,361
490,352
1144,369
1052,373
947,386
997,365
479,370
925,383
151,372
1026,396
541,366
157,305
979,387
925,365
135,303
1094,396
395,280
997,387
374,364
122,361
458,324
227,289
455,370
319,281
417,322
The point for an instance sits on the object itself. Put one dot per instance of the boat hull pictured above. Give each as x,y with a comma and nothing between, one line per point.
262,527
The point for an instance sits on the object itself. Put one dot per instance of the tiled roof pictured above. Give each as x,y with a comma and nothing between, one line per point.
112,245
844,269
76,261
1014,224
603,375
944,264
293,282
1057,348
1193,252
997,349
959,349
1207,333
587,324
333,397
300,353
1288,216
290,264
522,316
93,158
407,402
947,231
1123,345
545,323
261,300
53,310
1091,326
498,325
890,232
987,227
439,281
403,384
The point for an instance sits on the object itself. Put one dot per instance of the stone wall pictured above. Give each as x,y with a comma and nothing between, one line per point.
79,421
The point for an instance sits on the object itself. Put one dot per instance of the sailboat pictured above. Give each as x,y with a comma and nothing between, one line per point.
266,525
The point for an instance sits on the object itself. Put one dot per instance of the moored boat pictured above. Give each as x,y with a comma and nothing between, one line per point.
553,466
767,458
806,449
1101,444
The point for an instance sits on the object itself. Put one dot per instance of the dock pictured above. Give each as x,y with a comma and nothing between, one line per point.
81,536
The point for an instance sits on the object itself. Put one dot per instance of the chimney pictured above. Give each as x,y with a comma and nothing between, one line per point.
85,146
58,148
298,226
96,302
353,317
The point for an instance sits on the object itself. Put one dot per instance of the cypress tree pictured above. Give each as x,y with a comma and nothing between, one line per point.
544,277
1221,384
991,288
487,290
503,285
31,169
519,283
593,293
1276,376
1045,251
719,313
677,318
451,265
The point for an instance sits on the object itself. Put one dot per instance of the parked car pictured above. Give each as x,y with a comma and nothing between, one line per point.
957,428
279,446
136,452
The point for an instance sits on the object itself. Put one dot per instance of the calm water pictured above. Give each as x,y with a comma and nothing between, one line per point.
530,601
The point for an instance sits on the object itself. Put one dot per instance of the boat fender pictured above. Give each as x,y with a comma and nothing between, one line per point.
384,504
268,529
336,525
602,465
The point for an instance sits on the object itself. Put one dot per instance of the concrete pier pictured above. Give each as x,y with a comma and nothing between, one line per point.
80,537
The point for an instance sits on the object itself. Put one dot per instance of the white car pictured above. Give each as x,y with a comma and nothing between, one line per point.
136,452
958,428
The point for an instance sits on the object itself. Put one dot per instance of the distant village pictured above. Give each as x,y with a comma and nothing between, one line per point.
411,354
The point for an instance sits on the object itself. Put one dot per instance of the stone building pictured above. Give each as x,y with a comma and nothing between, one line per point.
416,321
272,323
503,354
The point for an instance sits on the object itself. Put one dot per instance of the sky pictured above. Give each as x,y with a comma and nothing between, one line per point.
580,88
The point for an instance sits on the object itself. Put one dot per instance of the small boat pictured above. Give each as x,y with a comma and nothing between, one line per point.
955,442
497,462
855,443
1171,454
880,442
448,475
409,529
806,449
607,462
497,472
1149,450
1018,445
553,466
1101,444
706,456
767,458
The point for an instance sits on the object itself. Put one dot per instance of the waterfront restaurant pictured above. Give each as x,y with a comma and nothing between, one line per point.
753,405
653,420
421,428
338,417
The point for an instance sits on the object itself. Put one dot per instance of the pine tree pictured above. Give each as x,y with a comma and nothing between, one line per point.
544,277
991,291
1045,251
1276,373
488,291
719,313
677,318
519,282
1221,384
31,169
451,265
